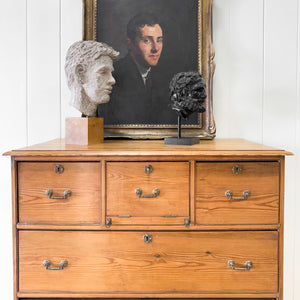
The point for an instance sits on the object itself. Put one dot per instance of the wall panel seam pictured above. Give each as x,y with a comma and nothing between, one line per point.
59,70
26,71
263,72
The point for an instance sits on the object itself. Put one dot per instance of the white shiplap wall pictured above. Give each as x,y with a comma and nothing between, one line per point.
256,92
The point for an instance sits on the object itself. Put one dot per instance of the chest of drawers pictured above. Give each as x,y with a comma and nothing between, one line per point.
140,219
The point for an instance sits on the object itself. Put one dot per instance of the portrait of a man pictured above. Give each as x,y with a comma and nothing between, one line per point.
153,48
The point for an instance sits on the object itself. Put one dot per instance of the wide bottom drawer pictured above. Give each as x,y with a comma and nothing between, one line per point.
148,262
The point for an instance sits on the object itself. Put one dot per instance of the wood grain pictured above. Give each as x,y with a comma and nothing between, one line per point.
181,261
217,147
130,297
214,179
171,206
174,262
82,207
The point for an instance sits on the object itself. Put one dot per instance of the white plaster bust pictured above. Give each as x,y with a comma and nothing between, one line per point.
88,68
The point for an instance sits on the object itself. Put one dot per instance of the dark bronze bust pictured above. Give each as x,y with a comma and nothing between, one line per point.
187,94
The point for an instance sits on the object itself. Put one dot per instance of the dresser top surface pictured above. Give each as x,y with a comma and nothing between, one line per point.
222,147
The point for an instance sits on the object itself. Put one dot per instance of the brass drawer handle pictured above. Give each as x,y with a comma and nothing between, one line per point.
248,265
67,193
147,238
155,193
62,265
246,195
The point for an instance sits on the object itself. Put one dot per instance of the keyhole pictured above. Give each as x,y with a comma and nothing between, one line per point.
147,238
58,169
236,169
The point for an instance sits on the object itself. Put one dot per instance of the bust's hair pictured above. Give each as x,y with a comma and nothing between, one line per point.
85,53
187,93
139,21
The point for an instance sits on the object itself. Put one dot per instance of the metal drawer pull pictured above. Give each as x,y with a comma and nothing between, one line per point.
147,238
246,195
67,193
47,264
155,192
248,265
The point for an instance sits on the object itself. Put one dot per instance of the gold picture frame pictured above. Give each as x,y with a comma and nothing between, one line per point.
204,127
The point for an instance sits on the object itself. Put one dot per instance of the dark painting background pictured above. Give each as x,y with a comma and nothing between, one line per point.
179,19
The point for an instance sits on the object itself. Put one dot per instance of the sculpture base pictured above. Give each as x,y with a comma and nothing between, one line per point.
181,141
84,131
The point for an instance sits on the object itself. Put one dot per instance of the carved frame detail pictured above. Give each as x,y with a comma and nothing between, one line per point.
206,128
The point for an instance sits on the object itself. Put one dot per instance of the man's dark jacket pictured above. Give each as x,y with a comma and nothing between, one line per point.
131,102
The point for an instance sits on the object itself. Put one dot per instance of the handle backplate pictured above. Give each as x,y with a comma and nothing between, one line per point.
67,193
155,193
248,265
246,195
47,263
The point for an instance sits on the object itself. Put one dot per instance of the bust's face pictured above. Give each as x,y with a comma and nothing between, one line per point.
98,80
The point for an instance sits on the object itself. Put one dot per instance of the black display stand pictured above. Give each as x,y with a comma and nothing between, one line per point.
180,140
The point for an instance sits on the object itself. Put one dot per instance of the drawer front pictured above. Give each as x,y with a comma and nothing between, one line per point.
237,193
161,262
81,206
132,197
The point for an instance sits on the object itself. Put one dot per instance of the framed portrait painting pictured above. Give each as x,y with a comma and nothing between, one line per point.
156,39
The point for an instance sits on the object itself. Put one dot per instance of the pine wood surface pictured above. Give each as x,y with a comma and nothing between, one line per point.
281,229
221,147
167,226
91,297
171,206
181,261
82,207
214,179
174,262
207,296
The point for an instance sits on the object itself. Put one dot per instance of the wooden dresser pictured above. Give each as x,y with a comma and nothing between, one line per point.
140,219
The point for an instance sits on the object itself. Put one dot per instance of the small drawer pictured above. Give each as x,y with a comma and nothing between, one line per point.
237,193
185,263
59,193
147,193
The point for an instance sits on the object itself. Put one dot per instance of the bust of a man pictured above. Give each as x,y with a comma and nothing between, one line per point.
88,68
187,93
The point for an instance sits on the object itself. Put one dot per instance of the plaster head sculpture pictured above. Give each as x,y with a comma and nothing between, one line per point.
187,93
88,68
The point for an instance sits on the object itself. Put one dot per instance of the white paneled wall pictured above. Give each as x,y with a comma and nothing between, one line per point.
256,92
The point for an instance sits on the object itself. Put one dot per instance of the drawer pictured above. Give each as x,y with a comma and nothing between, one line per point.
132,197
81,206
148,262
237,193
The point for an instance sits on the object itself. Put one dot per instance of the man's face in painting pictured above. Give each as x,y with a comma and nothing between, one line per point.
147,46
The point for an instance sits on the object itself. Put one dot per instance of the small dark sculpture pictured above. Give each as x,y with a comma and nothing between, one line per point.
187,93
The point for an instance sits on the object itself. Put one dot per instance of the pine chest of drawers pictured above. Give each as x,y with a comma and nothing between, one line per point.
140,219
